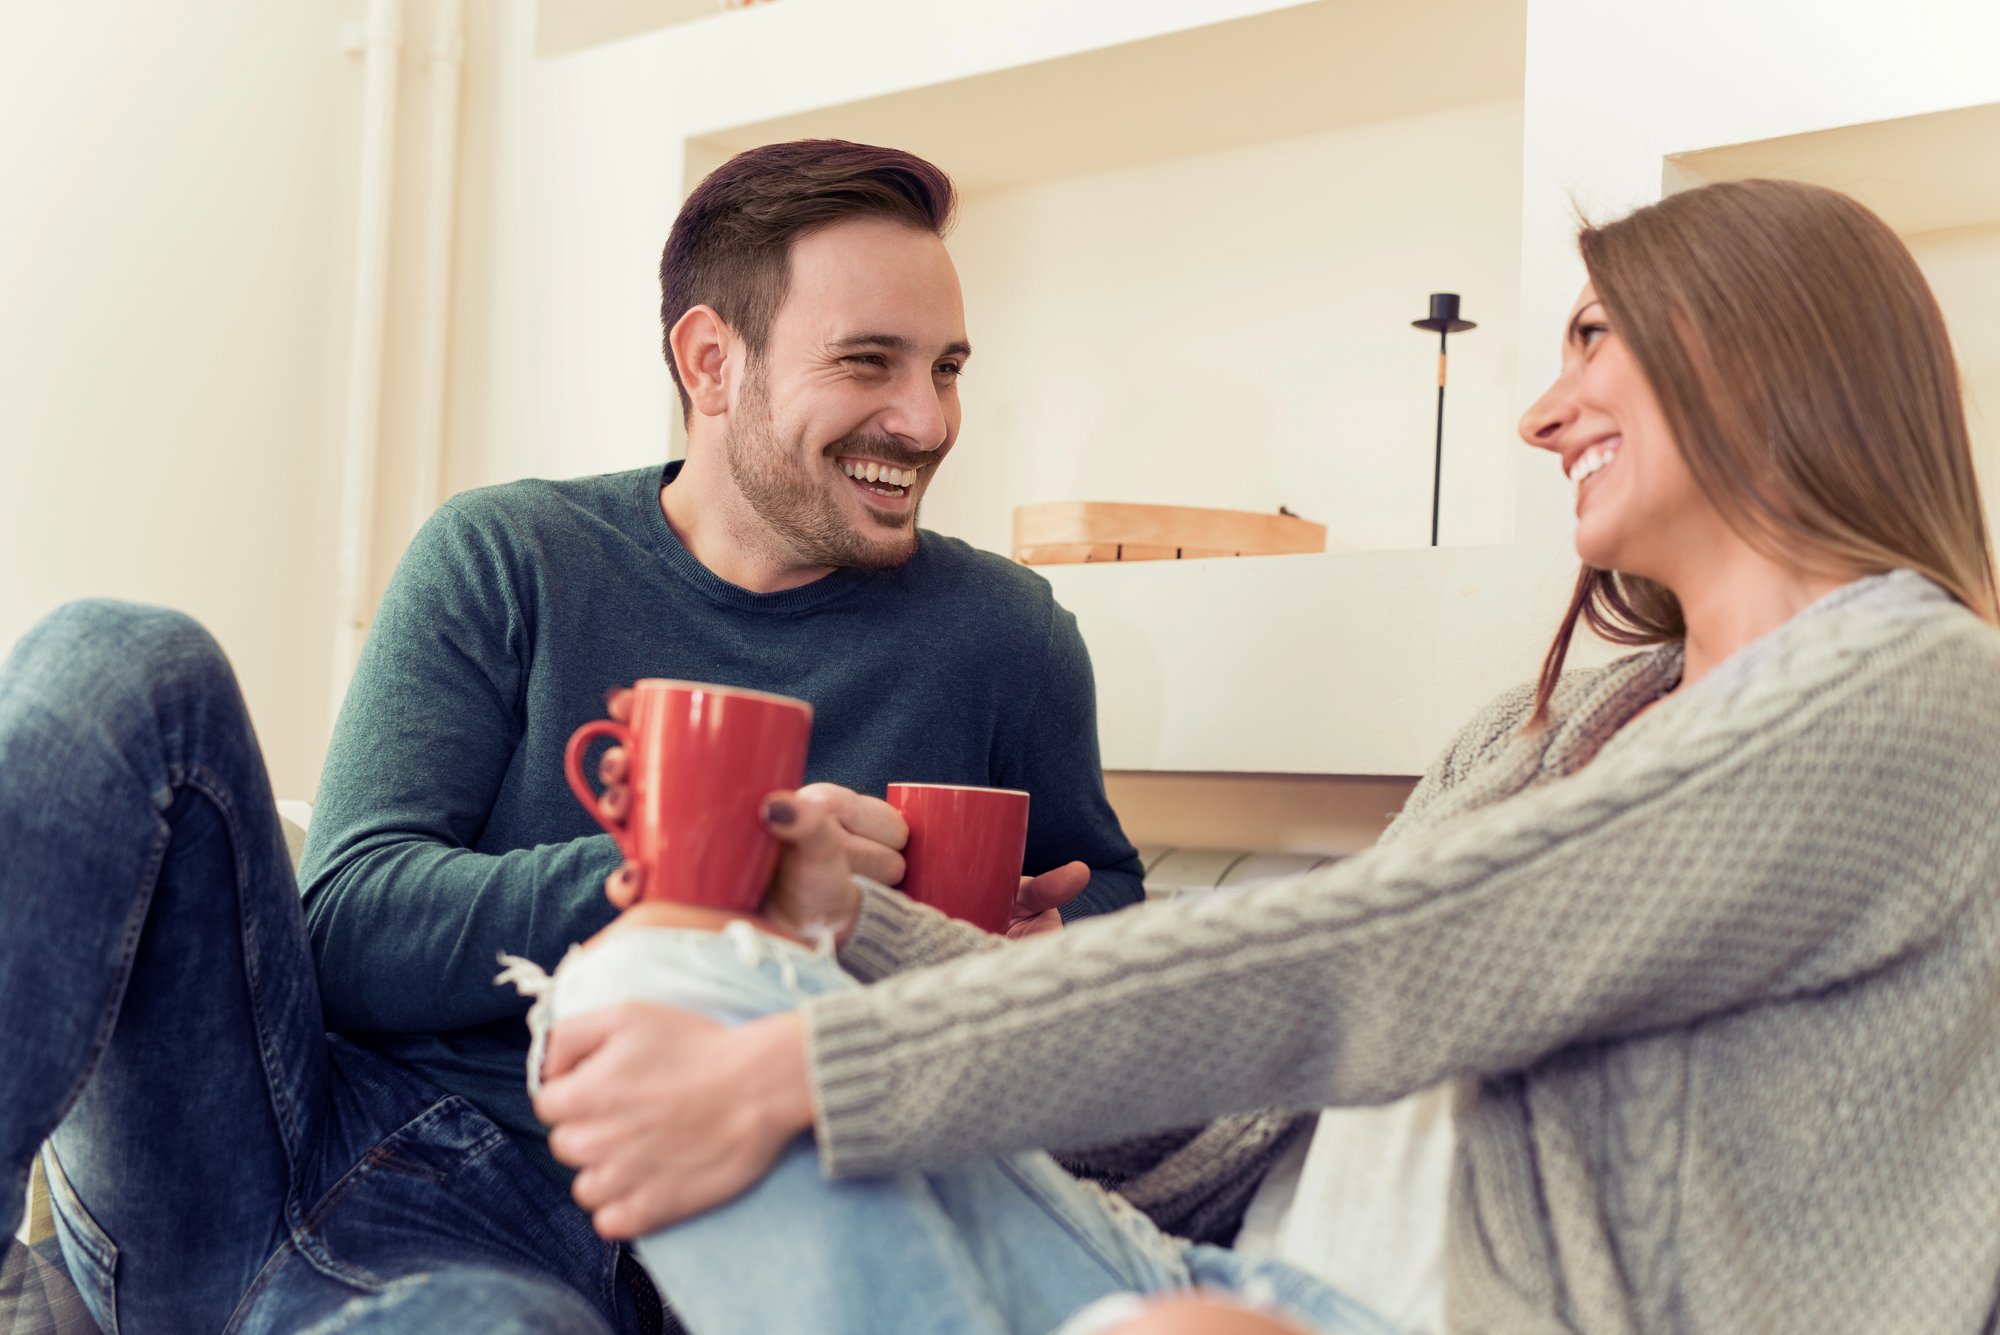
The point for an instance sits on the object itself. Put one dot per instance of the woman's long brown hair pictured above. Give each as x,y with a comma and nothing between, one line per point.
1803,367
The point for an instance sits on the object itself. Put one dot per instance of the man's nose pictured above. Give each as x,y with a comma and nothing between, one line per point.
917,414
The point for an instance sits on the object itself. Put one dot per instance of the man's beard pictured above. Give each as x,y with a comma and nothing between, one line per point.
796,505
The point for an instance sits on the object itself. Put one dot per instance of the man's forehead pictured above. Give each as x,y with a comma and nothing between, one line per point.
872,283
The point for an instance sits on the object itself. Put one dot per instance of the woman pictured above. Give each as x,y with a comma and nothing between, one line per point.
1708,936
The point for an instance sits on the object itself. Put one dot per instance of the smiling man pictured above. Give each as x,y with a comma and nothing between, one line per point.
814,430
816,333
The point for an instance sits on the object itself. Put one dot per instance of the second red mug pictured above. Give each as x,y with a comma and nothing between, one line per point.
699,761
965,849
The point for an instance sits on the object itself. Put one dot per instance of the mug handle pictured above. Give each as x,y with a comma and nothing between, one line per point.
573,771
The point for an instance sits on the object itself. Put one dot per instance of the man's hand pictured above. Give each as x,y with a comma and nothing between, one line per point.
1040,896
873,831
665,1113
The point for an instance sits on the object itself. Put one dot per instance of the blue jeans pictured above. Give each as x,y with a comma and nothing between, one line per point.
1008,1246
218,1161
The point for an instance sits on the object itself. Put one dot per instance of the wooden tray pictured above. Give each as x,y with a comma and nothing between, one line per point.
1071,532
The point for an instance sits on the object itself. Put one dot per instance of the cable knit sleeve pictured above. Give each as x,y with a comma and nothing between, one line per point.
1766,834
892,932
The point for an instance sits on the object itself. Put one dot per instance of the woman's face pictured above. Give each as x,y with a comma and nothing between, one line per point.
1638,509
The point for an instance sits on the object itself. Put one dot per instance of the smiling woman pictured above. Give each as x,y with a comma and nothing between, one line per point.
1728,394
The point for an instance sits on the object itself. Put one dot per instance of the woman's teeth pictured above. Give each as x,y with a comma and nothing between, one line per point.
879,477
1593,460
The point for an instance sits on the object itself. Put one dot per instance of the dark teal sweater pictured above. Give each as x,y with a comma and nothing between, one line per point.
444,833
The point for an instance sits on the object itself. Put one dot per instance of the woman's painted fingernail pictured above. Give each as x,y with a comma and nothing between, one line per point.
780,812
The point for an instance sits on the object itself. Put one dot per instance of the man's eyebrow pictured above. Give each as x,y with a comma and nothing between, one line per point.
894,343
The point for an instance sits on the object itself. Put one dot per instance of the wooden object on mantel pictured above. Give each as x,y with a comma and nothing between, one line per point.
1071,532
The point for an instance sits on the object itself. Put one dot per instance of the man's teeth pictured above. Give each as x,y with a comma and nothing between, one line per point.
868,470
1593,460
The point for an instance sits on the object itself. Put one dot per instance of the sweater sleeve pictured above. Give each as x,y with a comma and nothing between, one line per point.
1069,818
1717,853
406,917
893,932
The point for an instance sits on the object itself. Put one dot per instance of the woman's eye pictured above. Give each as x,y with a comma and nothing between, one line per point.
1588,334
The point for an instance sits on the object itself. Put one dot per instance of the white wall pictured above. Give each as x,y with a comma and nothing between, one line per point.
1233,330
1613,89
569,183
173,256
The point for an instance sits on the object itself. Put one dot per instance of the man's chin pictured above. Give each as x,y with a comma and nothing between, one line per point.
886,548
889,521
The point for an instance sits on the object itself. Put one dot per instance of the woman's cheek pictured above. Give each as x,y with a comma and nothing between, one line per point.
1600,525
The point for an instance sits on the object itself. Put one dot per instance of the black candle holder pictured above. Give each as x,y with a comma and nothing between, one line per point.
1444,321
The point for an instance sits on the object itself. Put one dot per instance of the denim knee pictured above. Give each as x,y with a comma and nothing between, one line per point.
100,645
118,688
157,641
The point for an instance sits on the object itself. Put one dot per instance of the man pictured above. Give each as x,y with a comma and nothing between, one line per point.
395,1174
815,330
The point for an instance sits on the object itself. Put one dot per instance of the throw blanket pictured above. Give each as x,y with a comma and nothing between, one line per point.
1721,985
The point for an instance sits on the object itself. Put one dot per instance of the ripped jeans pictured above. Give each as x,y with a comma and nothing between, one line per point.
1011,1245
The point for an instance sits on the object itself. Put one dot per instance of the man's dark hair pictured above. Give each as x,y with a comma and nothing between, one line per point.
731,246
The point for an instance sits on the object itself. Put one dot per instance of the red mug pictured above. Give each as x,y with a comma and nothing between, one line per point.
699,762
965,849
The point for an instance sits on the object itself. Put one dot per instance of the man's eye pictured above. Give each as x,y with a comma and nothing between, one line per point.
952,369
867,358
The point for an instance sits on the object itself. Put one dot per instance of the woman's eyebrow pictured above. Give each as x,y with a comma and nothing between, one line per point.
1575,330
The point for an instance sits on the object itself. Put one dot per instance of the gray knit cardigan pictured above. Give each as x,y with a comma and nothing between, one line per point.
1721,989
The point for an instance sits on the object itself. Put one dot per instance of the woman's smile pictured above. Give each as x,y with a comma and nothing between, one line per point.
1592,461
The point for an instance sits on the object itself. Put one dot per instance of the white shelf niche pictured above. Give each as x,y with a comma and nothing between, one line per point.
1935,179
1191,262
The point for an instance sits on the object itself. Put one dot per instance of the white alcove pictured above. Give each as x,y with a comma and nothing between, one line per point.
1191,262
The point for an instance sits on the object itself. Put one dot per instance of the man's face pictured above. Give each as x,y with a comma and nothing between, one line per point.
860,375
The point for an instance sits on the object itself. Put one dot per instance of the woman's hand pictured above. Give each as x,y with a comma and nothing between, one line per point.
814,887
872,831
665,1113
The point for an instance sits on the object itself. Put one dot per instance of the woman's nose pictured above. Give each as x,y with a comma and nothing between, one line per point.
1542,425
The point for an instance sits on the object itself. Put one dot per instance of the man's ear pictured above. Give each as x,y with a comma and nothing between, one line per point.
703,346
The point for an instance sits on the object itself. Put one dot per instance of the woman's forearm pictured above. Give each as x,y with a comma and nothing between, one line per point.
1659,887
